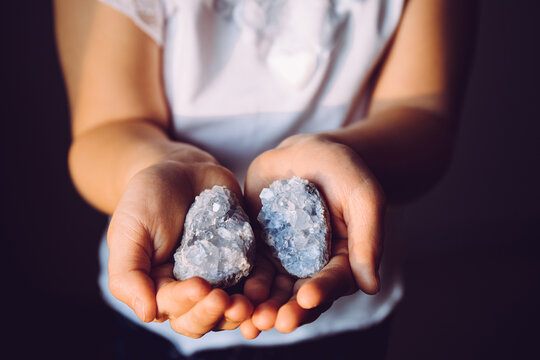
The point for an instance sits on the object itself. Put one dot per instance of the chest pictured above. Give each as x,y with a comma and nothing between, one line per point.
228,58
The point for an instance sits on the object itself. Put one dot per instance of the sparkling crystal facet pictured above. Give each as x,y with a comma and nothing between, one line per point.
218,242
295,224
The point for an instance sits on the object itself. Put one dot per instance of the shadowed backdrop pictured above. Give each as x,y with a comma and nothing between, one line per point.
471,270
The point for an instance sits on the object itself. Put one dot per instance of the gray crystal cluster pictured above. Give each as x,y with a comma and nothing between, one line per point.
218,242
295,224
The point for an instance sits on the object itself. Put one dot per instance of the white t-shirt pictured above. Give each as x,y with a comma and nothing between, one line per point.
242,75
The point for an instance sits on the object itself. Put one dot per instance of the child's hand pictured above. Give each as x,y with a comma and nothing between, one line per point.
144,233
356,205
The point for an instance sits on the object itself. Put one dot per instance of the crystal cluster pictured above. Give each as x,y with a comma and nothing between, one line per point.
295,224
218,242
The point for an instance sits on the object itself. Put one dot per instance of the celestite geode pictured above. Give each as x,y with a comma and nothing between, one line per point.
218,242
295,224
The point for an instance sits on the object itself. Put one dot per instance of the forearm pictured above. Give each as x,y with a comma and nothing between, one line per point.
407,138
406,148
104,159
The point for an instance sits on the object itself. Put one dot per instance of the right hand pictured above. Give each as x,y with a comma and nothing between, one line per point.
356,205
142,236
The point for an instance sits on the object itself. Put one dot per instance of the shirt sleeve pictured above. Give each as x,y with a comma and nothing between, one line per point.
148,15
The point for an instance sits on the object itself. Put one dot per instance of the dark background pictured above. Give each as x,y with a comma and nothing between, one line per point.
472,272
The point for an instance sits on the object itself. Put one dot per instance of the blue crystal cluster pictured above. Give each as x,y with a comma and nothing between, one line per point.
295,224
218,242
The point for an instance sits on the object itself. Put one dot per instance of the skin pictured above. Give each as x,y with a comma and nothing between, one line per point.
124,162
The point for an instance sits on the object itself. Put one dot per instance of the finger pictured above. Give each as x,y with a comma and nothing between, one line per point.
257,286
298,284
138,238
204,316
129,267
291,315
265,314
248,330
239,310
333,281
364,214
175,298
225,324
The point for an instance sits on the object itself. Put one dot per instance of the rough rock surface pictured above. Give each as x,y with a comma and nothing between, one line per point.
218,242
295,224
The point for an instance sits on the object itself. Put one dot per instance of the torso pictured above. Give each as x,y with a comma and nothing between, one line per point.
241,76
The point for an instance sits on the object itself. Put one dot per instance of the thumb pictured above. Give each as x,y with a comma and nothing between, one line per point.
130,265
364,215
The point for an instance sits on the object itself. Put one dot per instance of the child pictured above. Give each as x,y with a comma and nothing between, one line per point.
171,97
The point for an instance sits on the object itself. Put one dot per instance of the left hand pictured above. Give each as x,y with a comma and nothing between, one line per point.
356,204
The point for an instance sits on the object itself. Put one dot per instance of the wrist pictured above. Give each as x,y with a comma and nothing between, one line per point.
187,154
310,138
155,151
302,155
103,160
